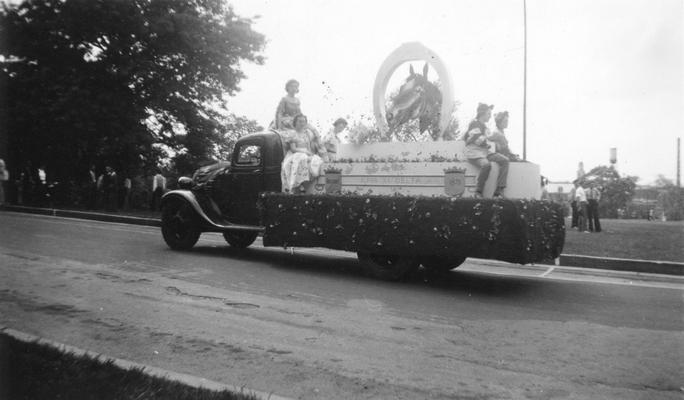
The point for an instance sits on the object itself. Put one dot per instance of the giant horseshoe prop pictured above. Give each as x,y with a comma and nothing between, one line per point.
411,52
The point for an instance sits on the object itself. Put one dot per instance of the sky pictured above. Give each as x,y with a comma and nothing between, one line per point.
601,73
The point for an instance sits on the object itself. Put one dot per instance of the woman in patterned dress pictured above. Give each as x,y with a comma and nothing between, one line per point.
288,108
302,161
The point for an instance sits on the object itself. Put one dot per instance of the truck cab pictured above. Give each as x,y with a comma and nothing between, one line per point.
222,197
254,168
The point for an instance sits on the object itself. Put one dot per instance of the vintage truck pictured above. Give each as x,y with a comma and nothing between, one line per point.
391,210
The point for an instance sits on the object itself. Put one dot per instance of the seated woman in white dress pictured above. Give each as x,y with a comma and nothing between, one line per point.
303,160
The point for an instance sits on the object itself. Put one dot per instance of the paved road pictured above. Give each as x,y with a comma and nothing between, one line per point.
310,325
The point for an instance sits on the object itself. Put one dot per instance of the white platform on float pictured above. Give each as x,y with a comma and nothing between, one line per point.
403,150
407,168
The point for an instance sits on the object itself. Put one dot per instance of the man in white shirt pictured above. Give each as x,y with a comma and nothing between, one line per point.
593,198
581,199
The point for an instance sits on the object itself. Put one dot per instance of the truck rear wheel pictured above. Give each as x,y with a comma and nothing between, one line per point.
179,226
240,240
391,268
442,264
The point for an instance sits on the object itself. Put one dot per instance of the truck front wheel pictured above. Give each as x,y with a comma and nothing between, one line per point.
386,267
179,227
240,240
442,264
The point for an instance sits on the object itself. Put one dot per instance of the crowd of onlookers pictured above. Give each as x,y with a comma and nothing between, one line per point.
103,189
584,202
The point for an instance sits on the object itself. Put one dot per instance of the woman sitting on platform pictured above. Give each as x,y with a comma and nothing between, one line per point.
303,160
498,137
479,154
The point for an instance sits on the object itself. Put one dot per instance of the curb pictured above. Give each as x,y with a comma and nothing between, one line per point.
594,271
565,260
85,215
623,264
185,379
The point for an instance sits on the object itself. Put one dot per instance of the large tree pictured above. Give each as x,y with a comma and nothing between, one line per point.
617,190
121,82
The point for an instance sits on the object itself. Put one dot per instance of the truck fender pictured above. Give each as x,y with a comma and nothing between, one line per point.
189,197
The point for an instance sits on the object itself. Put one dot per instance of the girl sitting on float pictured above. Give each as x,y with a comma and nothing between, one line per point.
303,160
478,153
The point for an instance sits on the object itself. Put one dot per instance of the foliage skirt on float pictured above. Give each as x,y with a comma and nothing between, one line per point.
518,231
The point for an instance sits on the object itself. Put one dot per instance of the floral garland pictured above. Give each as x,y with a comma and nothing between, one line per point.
519,231
374,159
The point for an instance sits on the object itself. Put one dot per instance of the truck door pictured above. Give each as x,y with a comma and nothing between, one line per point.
247,180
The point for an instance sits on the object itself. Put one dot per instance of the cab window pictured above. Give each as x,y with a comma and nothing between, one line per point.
249,155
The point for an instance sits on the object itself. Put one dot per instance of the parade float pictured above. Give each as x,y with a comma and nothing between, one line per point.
398,205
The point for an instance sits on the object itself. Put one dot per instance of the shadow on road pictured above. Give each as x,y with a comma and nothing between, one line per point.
347,268
468,294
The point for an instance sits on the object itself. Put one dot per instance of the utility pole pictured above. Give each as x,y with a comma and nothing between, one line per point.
679,163
525,83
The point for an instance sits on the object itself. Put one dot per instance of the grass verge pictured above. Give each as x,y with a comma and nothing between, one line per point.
30,370
629,238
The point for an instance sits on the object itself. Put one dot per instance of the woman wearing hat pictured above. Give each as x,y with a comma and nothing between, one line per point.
479,154
498,137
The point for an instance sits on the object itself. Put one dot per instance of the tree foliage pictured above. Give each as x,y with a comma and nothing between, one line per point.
670,198
121,82
617,190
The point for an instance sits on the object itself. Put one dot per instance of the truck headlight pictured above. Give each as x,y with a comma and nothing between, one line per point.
184,183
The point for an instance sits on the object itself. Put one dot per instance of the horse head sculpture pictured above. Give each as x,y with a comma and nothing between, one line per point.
417,98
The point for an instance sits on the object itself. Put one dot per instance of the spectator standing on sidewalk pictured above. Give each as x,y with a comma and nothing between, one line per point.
25,185
92,188
4,177
19,185
41,191
593,198
545,196
573,208
158,189
126,194
581,199
109,183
